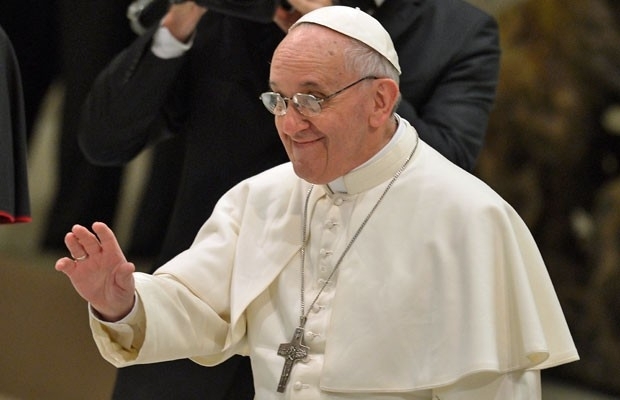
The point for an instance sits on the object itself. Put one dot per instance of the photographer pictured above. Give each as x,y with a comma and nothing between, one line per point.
197,77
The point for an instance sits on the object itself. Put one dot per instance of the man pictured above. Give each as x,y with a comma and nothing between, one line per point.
192,78
368,267
449,55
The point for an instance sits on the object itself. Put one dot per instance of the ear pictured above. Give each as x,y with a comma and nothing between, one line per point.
385,97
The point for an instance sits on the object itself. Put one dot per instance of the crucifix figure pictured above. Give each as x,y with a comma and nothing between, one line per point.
293,351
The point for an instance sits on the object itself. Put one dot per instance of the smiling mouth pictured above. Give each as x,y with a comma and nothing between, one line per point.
301,143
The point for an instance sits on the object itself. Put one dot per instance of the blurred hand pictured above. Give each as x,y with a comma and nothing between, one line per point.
284,18
99,271
181,19
305,6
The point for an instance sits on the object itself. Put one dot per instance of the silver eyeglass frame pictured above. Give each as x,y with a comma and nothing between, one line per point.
274,100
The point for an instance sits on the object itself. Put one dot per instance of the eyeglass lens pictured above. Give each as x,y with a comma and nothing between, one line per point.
306,104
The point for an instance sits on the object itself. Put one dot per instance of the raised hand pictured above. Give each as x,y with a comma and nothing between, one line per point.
181,19
305,6
99,270
284,18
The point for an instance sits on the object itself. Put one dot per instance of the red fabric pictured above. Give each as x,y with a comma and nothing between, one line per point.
6,218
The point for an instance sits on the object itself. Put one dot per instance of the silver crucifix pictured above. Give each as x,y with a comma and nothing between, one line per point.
292,352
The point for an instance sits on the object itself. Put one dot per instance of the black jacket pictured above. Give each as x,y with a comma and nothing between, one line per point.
209,96
449,55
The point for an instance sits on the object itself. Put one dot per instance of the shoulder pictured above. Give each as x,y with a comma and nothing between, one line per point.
437,29
444,184
464,22
460,11
270,185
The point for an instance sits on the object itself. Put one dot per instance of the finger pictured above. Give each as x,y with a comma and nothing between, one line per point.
124,276
107,239
74,246
87,240
65,265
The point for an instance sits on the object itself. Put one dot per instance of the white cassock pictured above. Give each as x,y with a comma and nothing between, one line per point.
443,295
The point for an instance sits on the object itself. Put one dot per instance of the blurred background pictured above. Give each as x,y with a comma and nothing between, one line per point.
552,151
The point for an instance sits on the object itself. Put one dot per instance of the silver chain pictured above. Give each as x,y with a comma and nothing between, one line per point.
304,239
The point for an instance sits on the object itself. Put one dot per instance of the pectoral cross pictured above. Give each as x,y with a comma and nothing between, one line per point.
293,351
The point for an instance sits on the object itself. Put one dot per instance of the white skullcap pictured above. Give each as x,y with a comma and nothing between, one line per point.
354,23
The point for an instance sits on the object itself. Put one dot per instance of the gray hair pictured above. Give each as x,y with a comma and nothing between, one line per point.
366,61
362,58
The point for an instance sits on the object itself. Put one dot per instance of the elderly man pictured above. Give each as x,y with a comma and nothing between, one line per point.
369,267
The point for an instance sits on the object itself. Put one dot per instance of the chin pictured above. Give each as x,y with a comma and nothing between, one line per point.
305,174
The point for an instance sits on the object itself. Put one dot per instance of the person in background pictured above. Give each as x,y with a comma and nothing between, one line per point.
90,34
368,267
14,195
186,82
190,84
450,58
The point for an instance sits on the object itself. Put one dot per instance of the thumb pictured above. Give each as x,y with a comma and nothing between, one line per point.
124,276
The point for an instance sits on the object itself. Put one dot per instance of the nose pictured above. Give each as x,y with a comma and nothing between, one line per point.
293,121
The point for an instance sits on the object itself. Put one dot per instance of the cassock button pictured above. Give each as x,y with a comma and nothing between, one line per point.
311,335
298,385
338,201
329,224
317,308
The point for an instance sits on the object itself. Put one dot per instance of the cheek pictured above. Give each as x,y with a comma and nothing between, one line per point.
281,134
286,142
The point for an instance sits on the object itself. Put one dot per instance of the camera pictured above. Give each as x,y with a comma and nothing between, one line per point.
143,14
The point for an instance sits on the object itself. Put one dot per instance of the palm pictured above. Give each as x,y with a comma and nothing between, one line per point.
104,278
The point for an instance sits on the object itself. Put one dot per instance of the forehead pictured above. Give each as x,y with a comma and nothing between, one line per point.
311,50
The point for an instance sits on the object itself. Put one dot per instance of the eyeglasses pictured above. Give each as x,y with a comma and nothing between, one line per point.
307,104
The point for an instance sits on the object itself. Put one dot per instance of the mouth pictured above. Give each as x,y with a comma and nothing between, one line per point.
306,147
305,142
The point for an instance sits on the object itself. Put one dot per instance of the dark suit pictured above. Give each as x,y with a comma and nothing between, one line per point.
209,97
449,56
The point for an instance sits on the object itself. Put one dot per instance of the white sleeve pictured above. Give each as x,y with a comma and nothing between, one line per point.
518,385
167,46
128,332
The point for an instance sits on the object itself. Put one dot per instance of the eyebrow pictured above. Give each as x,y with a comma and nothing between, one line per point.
308,85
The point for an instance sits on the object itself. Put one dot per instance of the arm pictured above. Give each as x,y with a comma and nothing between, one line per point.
165,304
102,276
284,18
137,95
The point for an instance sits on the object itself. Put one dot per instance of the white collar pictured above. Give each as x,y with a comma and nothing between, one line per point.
339,185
